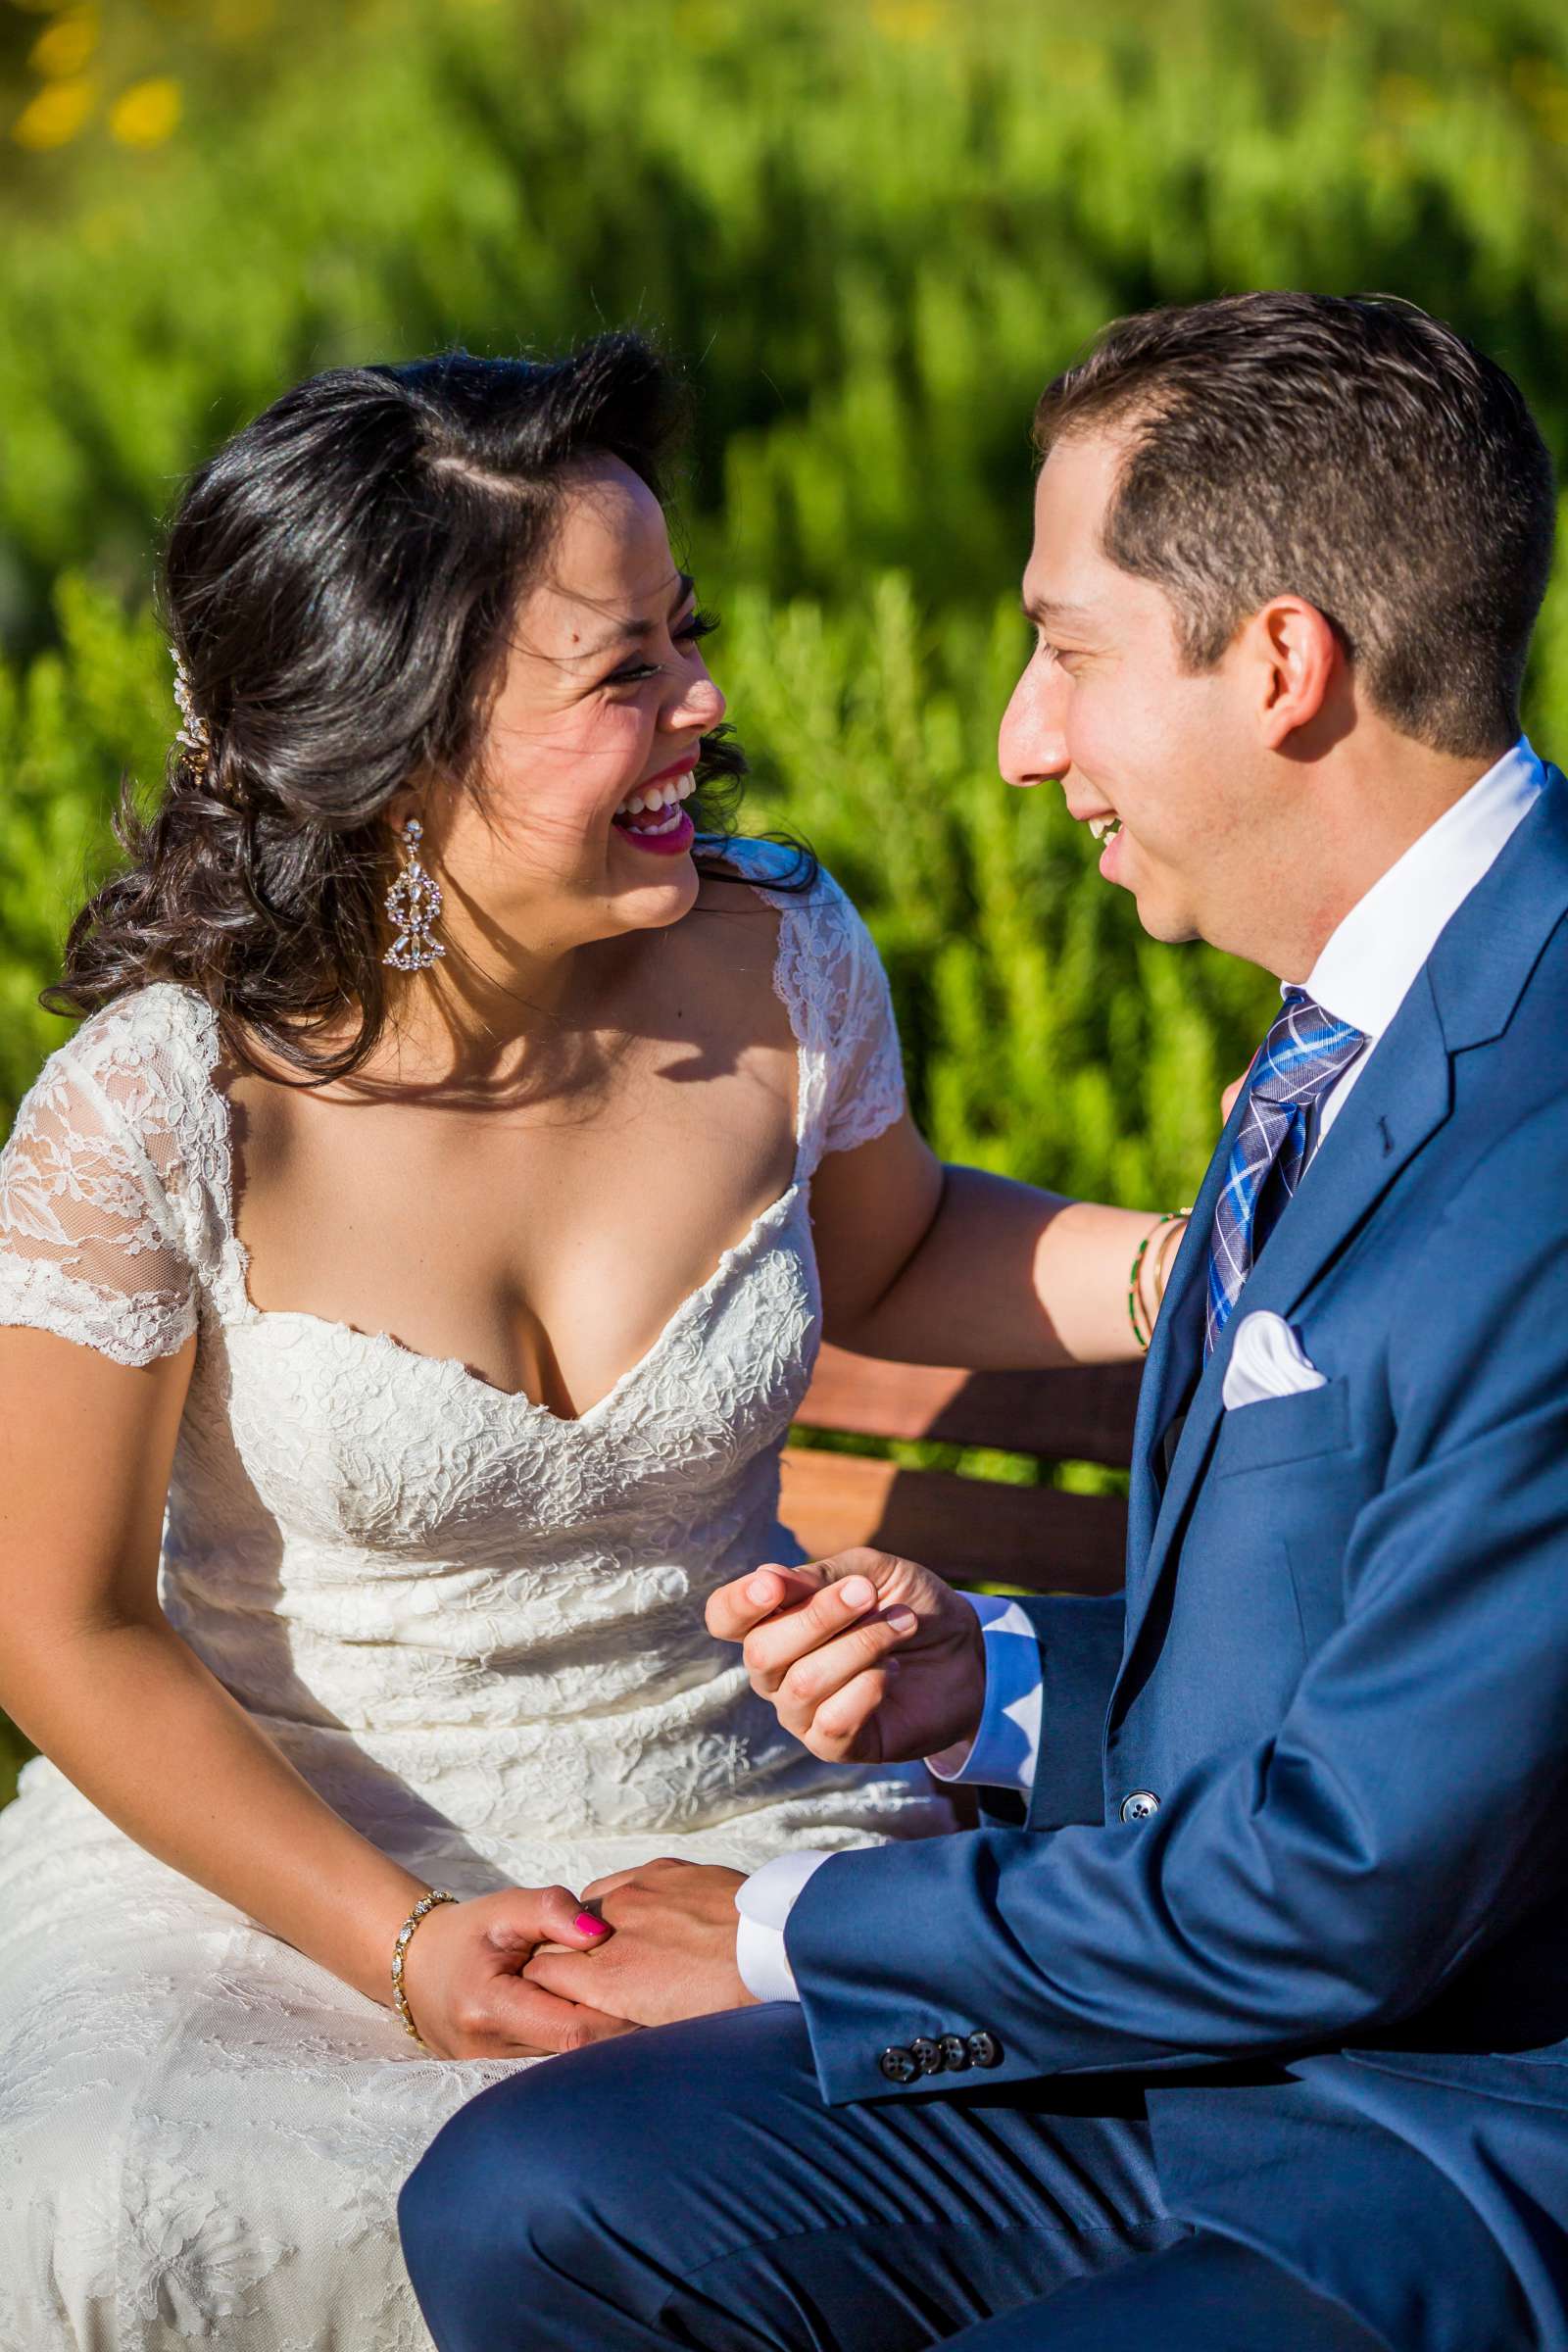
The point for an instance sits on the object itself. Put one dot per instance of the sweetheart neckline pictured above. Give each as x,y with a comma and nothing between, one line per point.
252,1317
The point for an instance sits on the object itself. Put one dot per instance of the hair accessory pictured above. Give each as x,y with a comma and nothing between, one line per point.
414,902
400,2000
194,733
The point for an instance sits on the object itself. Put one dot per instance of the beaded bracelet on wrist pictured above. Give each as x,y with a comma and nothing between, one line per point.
400,2000
1139,1334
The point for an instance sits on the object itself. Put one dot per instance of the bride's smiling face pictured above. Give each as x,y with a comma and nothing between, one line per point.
580,830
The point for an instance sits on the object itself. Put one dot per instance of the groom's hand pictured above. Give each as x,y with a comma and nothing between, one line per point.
865,1657
672,1950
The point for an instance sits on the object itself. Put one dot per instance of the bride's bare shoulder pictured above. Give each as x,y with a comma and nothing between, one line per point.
731,938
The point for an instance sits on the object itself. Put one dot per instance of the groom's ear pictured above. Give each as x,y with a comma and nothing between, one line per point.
1296,664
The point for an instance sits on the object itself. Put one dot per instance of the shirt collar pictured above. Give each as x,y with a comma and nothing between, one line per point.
1366,969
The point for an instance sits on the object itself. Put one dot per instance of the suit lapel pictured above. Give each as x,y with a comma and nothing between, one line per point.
1401,1099
1462,997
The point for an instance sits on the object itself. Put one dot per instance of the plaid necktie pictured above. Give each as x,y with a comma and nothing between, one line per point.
1302,1057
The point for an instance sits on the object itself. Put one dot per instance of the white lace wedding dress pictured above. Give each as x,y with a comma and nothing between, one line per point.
475,1628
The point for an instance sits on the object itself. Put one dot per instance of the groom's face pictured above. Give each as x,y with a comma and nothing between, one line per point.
1106,708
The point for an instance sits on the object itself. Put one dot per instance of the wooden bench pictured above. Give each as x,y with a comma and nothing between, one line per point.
972,1530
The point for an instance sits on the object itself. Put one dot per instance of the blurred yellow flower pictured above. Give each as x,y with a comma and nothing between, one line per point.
55,116
146,113
63,50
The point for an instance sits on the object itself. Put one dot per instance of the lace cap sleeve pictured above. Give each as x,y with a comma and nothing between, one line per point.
866,1091
92,1240
831,977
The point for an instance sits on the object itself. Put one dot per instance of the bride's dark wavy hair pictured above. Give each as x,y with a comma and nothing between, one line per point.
339,580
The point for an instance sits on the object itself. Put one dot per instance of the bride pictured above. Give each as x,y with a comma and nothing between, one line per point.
408,1274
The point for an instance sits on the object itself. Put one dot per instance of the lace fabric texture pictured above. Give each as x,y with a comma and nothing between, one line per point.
475,1628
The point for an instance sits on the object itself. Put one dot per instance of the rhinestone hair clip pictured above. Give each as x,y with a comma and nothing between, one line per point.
193,730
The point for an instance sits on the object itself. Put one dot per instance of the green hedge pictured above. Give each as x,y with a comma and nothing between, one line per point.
873,228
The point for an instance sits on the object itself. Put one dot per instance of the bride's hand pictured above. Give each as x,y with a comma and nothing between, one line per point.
463,1982
865,1657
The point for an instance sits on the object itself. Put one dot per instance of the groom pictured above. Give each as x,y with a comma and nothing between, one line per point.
1241,2021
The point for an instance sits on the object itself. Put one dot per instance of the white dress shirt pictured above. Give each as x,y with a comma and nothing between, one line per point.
1362,976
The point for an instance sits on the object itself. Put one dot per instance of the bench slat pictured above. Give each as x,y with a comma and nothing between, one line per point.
1080,1415
969,1529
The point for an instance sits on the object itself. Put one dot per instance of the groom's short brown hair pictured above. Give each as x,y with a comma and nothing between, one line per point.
1353,452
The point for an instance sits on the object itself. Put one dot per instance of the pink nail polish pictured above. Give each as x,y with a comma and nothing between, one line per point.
586,1925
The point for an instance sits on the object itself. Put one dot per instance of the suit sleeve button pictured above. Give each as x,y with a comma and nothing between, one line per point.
927,2054
984,2049
899,2065
954,2052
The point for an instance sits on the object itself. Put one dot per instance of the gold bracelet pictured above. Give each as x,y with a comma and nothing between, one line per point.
1139,1334
1163,1256
400,2000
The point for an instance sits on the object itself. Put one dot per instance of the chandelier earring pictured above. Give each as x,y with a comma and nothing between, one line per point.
413,903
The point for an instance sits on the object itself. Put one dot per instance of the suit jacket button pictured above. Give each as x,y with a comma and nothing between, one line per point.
927,2054
899,2065
984,2049
1142,1805
954,2052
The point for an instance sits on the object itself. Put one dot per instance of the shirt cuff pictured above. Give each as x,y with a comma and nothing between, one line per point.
1005,1750
765,1901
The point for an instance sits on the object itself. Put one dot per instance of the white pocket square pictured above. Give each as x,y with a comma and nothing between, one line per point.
1267,1360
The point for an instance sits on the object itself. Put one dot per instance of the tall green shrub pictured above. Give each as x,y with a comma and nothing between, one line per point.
873,229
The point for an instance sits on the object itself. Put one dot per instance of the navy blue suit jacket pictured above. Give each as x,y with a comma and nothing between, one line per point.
1336,1954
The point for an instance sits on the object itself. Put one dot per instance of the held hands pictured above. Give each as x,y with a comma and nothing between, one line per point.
865,1657
463,1974
670,1951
